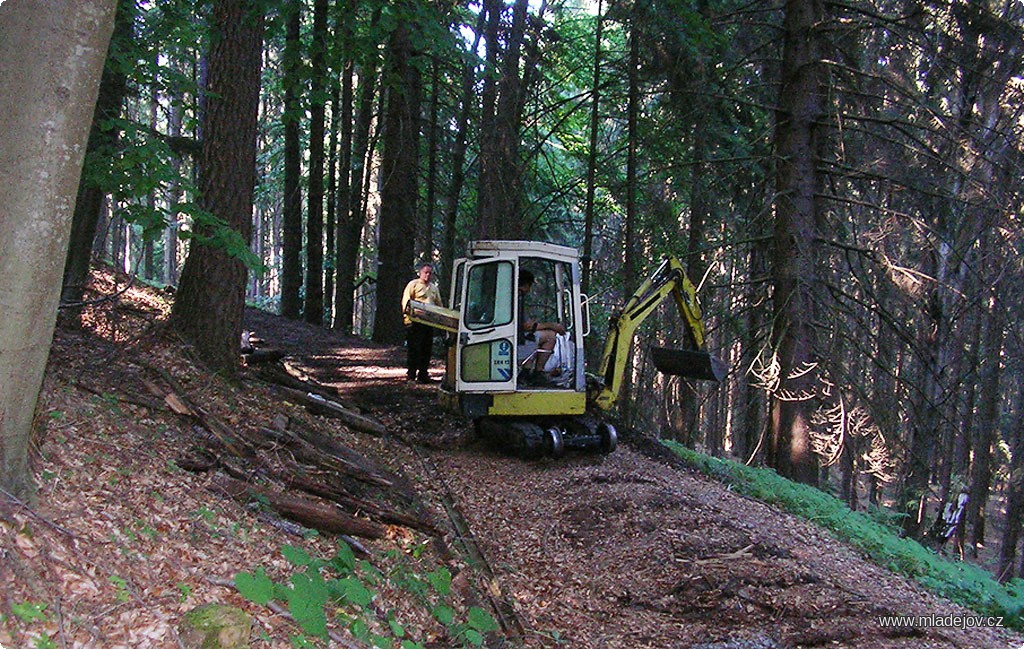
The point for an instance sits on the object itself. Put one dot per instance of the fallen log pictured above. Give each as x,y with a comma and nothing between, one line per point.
181,405
295,480
328,455
258,356
278,374
319,405
315,515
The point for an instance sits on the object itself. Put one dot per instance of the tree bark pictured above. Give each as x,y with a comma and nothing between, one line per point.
291,252
399,183
458,162
211,299
799,137
89,202
592,153
352,219
314,309
988,421
1015,499
52,53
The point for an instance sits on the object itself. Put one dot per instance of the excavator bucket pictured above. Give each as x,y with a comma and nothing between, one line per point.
688,363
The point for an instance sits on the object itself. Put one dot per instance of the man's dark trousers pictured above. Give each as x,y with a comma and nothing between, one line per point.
418,338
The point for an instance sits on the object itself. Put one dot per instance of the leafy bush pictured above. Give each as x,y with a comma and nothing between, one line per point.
873,534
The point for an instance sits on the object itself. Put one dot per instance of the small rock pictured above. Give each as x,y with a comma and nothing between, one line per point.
215,626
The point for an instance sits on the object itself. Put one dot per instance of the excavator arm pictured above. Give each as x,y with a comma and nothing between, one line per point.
668,279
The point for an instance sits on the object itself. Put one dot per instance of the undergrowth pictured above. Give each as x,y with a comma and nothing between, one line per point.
343,591
963,583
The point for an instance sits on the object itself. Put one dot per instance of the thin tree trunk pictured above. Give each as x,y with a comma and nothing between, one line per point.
595,114
1015,498
314,309
291,253
424,245
458,162
988,421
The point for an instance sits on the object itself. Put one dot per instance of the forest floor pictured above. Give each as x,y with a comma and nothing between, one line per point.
629,550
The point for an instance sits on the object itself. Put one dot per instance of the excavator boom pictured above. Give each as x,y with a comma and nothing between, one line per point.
695,363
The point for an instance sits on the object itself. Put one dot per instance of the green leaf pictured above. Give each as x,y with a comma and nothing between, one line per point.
256,587
344,560
300,642
359,630
397,629
441,581
296,556
481,620
306,603
29,611
374,575
444,614
474,638
355,592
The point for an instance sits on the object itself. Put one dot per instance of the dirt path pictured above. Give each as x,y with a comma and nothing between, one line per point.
628,550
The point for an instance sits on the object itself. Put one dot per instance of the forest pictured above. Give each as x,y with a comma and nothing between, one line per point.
843,180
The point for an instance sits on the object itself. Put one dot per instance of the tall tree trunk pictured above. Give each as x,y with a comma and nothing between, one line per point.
486,228
89,202
751,424
344,268
173,196
399,183
331,197
291,253
314,310
458,162
1015,493
629,253
500,187
52,53
595,103
424,245
211,300
354,217
799,137
988,420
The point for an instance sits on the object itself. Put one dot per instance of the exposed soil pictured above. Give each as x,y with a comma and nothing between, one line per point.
628,550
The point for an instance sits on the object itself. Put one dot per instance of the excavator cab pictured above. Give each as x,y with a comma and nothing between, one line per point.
491,358
492,371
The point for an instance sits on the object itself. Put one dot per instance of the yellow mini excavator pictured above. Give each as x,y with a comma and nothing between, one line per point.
490,374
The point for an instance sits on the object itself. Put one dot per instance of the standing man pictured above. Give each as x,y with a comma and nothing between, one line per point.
419,337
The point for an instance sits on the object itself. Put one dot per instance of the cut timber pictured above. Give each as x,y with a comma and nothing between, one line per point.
319,405
688,363
315,515
433,315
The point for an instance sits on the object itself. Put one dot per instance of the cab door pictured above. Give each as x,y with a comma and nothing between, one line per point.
485,352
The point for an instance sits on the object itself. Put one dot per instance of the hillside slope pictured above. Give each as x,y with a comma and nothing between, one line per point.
629,550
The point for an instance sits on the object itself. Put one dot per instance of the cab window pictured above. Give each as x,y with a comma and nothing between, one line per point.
489,294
